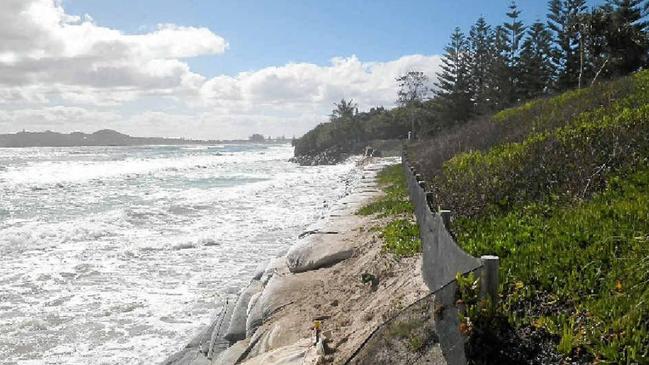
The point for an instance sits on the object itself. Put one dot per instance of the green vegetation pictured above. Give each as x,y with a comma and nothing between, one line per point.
401,234
580,272
567,163
563,199
395,201
402,238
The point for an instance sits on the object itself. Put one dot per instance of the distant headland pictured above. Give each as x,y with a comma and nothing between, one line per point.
105,137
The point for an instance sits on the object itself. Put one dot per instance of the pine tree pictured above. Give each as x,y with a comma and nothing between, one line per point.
594,30
627,36
502,73
515,32
452,80
482,51
564,21
536,62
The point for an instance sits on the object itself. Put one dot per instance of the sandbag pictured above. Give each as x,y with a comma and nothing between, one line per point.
300,353
259,270
188,356
275,266
318,251
255,316
231,355
280,291
218,342
237,329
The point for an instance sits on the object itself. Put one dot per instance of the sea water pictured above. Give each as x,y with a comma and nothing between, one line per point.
117,255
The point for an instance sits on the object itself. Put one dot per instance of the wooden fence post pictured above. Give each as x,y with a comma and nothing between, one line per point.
489,278
446,218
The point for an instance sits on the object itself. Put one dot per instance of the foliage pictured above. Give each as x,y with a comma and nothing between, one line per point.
395,201
400,234
413,88
498,66
344,110
351,133
566,163
256,138
561,194
401,238
453,79
579,272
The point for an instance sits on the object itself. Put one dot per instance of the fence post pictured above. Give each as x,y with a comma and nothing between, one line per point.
489,278
446,218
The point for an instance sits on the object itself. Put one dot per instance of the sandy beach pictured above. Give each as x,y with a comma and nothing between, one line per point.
335,278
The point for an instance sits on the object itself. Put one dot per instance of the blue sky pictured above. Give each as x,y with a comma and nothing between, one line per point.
265,33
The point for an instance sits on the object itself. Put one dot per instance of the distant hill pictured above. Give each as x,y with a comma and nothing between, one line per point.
104,137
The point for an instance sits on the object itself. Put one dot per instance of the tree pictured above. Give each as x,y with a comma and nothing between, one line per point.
536,62
502,74
596,52
413,88
482,52
563,21
453,79
627,36
514,31
345,110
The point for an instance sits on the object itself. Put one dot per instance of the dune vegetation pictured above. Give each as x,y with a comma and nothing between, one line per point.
561,194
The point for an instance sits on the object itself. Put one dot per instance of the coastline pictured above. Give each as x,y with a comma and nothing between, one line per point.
319,281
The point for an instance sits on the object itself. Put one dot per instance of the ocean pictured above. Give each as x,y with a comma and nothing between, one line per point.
117,255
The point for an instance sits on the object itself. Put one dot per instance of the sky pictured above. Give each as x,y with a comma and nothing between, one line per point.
213,69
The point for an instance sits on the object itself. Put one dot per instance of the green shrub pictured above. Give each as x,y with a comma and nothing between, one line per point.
579,271
401,234
401,238
567,163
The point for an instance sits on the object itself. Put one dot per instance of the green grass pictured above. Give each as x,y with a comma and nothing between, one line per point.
586,266
401,238
401,234
395,201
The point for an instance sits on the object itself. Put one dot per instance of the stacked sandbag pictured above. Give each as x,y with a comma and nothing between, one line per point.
237,328
209,342
317,251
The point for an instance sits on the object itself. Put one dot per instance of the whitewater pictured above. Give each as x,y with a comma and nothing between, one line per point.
117,255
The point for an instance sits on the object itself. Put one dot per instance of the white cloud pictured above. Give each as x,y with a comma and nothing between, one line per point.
315,87
65,73
41,45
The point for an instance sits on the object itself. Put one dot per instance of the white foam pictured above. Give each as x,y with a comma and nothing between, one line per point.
123,271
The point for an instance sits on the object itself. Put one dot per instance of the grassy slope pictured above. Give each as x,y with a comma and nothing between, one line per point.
563,200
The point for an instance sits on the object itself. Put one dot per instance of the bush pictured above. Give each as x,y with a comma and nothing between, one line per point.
401,238
559,189
578,272
568,163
